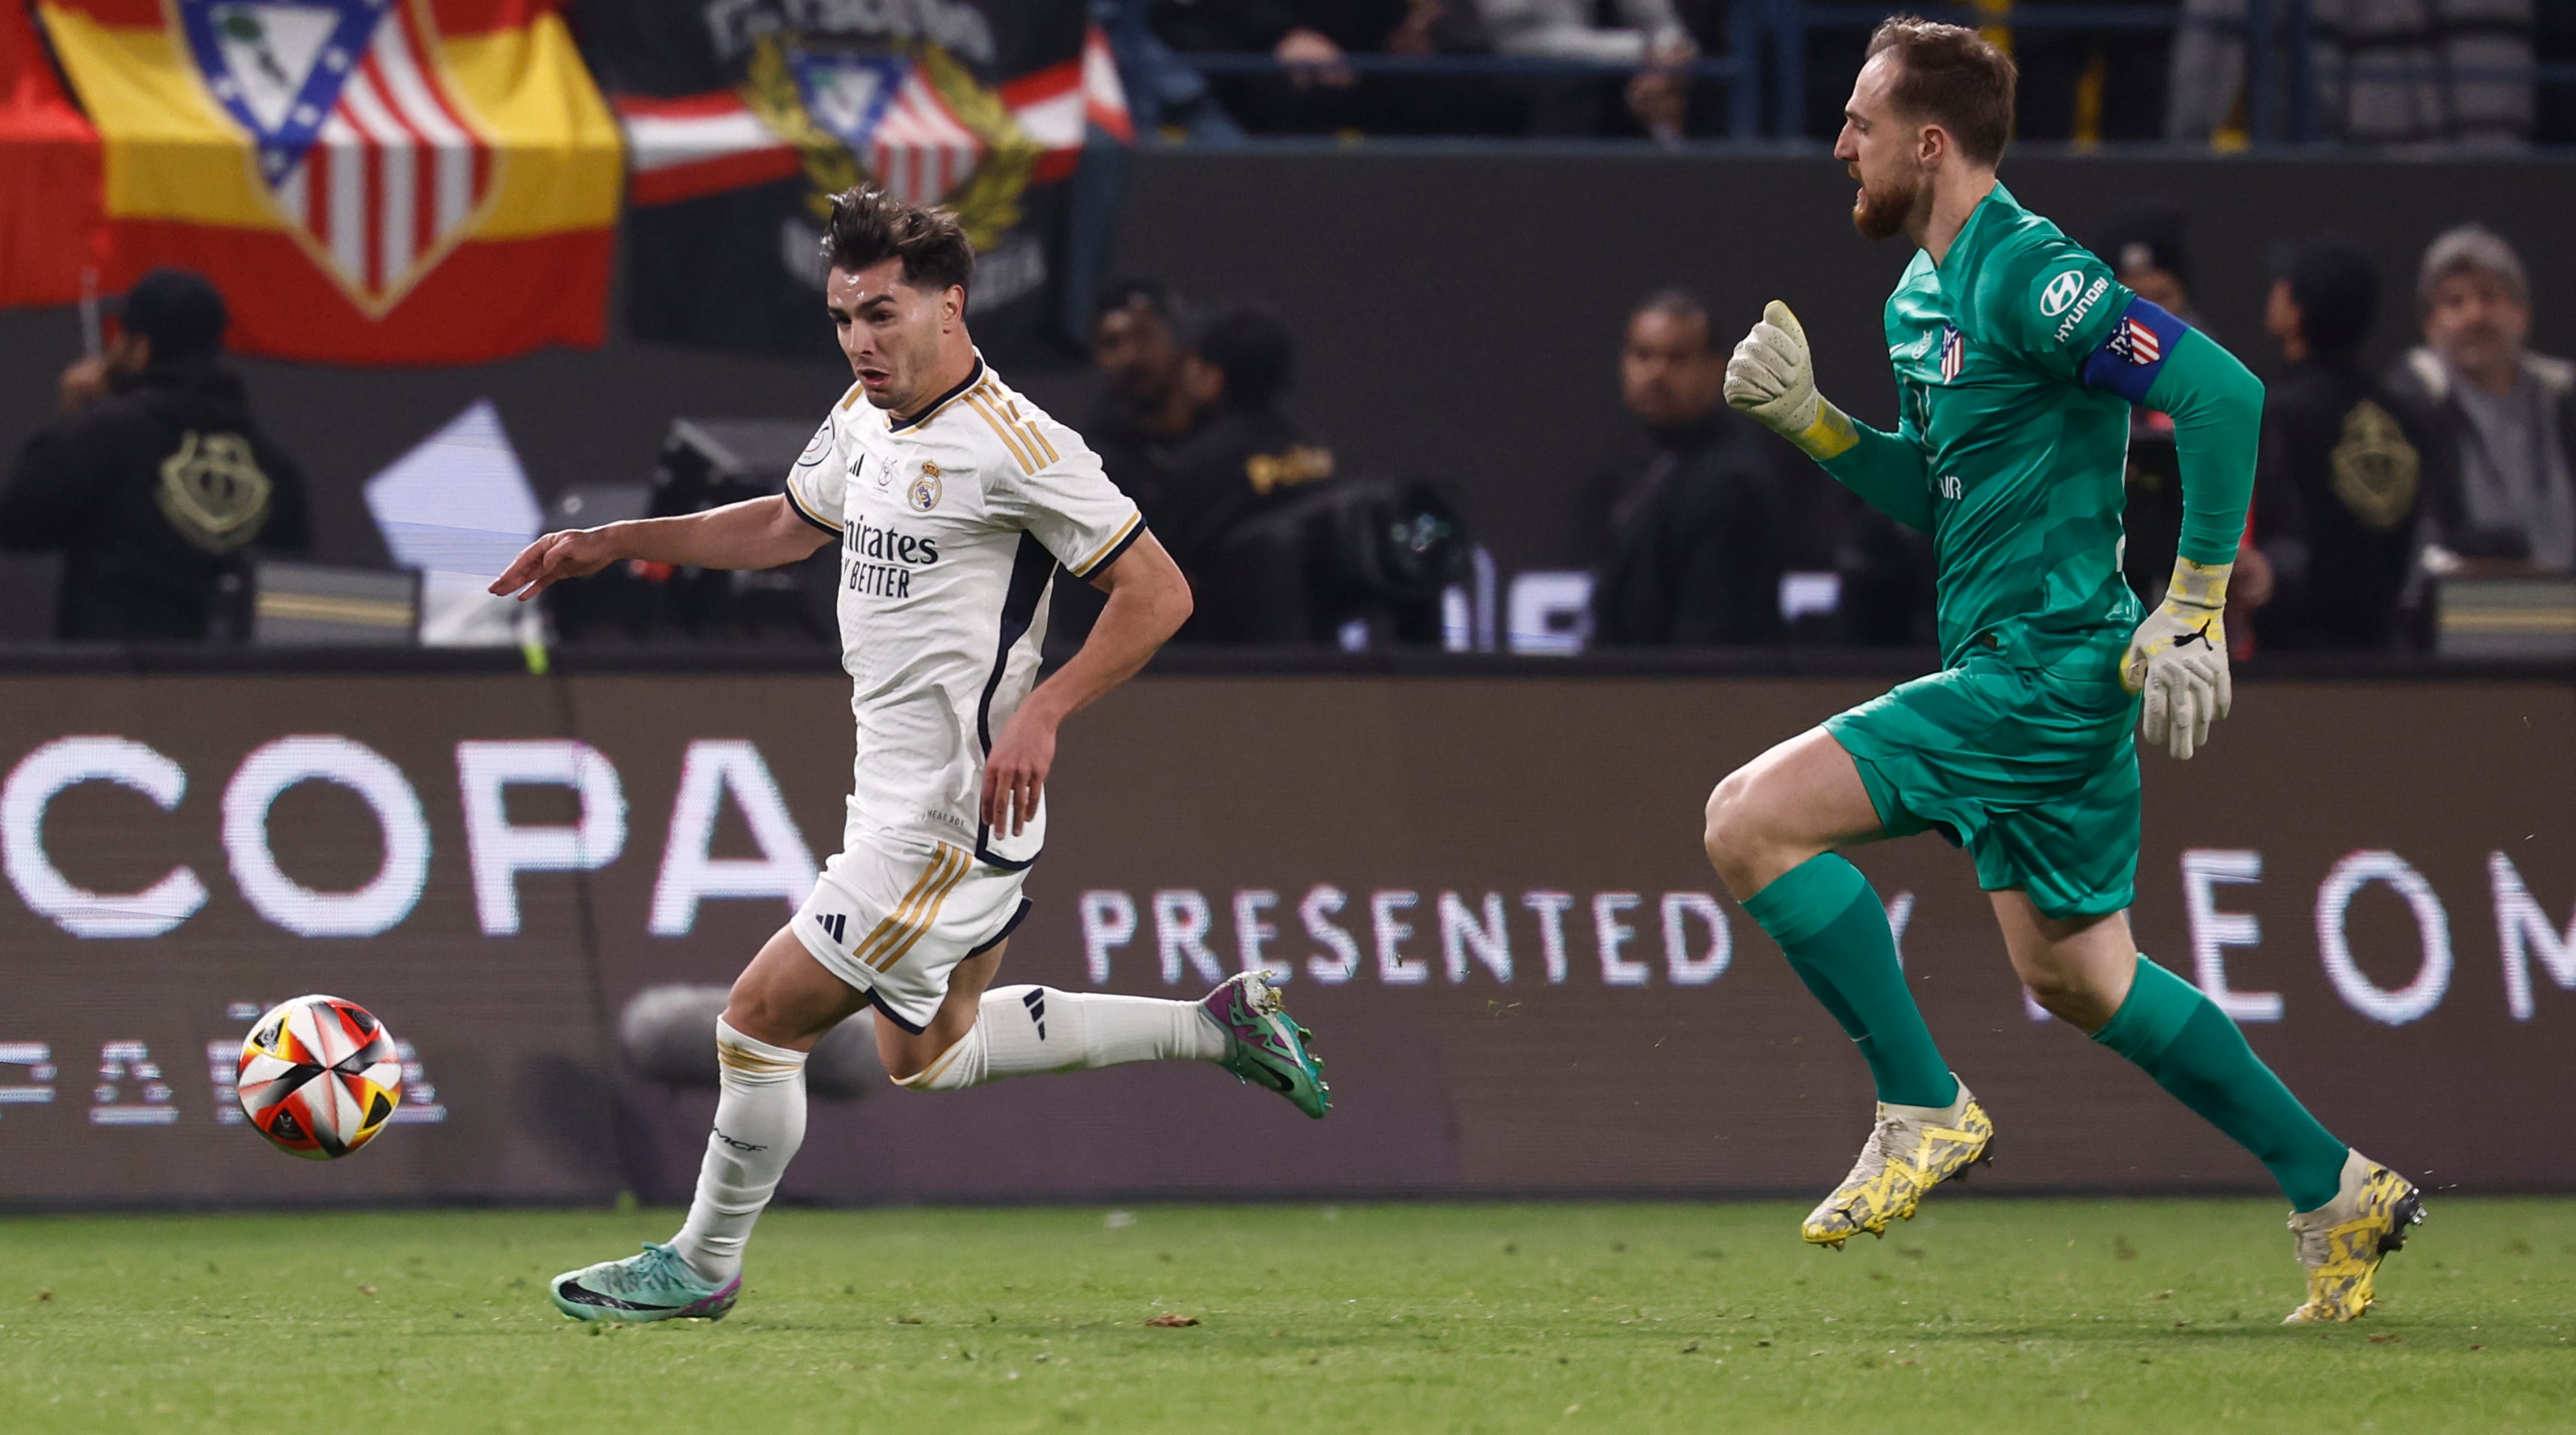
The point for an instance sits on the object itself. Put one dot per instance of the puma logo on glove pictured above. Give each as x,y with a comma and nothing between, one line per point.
2177,660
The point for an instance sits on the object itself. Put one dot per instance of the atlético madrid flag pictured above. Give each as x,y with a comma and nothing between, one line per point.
744,117
367,181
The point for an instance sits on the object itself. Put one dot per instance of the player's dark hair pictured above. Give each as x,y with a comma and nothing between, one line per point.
1952,77
1154,297
1682,307
1252,349
870,226
1151,295
2335,285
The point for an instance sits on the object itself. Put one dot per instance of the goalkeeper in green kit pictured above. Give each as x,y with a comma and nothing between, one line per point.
2017,356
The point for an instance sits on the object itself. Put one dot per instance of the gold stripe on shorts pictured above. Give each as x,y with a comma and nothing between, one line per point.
907,911
930,915
913,915
903,908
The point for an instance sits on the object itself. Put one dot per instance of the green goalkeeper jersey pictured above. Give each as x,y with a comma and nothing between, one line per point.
2017,359
2023,462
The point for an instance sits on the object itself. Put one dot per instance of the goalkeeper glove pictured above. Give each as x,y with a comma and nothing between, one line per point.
2178,659
1772,377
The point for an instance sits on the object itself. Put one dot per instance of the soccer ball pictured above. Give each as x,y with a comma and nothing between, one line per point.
319,1077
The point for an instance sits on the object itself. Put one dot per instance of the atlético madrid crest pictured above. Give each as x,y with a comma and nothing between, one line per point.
361,145
914,123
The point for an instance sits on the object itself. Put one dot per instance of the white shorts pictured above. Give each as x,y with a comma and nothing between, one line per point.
892,920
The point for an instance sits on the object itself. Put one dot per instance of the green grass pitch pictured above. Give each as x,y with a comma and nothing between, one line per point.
1988,1315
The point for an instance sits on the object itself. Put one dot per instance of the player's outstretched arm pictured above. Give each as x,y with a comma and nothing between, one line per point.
1148,602
2178,657
1772,377
756,533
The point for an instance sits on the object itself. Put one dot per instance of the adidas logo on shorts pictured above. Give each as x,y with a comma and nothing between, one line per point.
838,926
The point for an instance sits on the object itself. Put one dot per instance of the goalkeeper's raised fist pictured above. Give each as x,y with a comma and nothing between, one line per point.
1771,376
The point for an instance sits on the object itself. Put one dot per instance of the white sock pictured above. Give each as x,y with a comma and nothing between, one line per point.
760,1121
1022,1031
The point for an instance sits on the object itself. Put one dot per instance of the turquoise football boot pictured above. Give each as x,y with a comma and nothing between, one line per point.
1263,1046
656,1285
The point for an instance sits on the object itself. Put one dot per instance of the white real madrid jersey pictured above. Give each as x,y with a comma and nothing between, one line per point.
952,527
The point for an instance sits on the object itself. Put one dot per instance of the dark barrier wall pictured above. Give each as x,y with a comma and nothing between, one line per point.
1487,893
1458,313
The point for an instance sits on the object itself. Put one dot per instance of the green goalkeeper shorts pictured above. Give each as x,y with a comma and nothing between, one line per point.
2033,770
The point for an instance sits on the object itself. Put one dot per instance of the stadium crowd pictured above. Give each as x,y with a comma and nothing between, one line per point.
2377,71
2460,458
1698,527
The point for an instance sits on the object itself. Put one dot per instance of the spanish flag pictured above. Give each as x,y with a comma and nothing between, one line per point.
49,175
367,181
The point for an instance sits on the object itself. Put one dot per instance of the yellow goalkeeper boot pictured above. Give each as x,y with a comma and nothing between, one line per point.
2343,1241
1911,1150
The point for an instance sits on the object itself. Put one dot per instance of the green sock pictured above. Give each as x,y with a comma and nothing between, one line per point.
1824,915
2181,1038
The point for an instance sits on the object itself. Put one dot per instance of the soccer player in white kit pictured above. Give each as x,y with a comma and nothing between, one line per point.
955,502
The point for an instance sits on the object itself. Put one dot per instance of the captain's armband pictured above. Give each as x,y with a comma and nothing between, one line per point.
2133,353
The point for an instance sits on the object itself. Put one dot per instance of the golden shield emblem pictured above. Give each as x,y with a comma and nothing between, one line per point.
986,200
213,492
2375,470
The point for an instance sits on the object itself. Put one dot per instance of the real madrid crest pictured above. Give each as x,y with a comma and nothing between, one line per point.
924,494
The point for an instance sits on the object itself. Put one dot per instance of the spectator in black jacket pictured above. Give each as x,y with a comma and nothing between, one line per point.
157,484
1689,548
1248,460
1149,404
2499,421
1141,343
2340,478
1249,454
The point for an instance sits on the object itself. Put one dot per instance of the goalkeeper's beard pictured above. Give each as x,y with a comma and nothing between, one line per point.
1882,210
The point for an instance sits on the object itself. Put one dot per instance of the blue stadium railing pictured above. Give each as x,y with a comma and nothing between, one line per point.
2278,33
